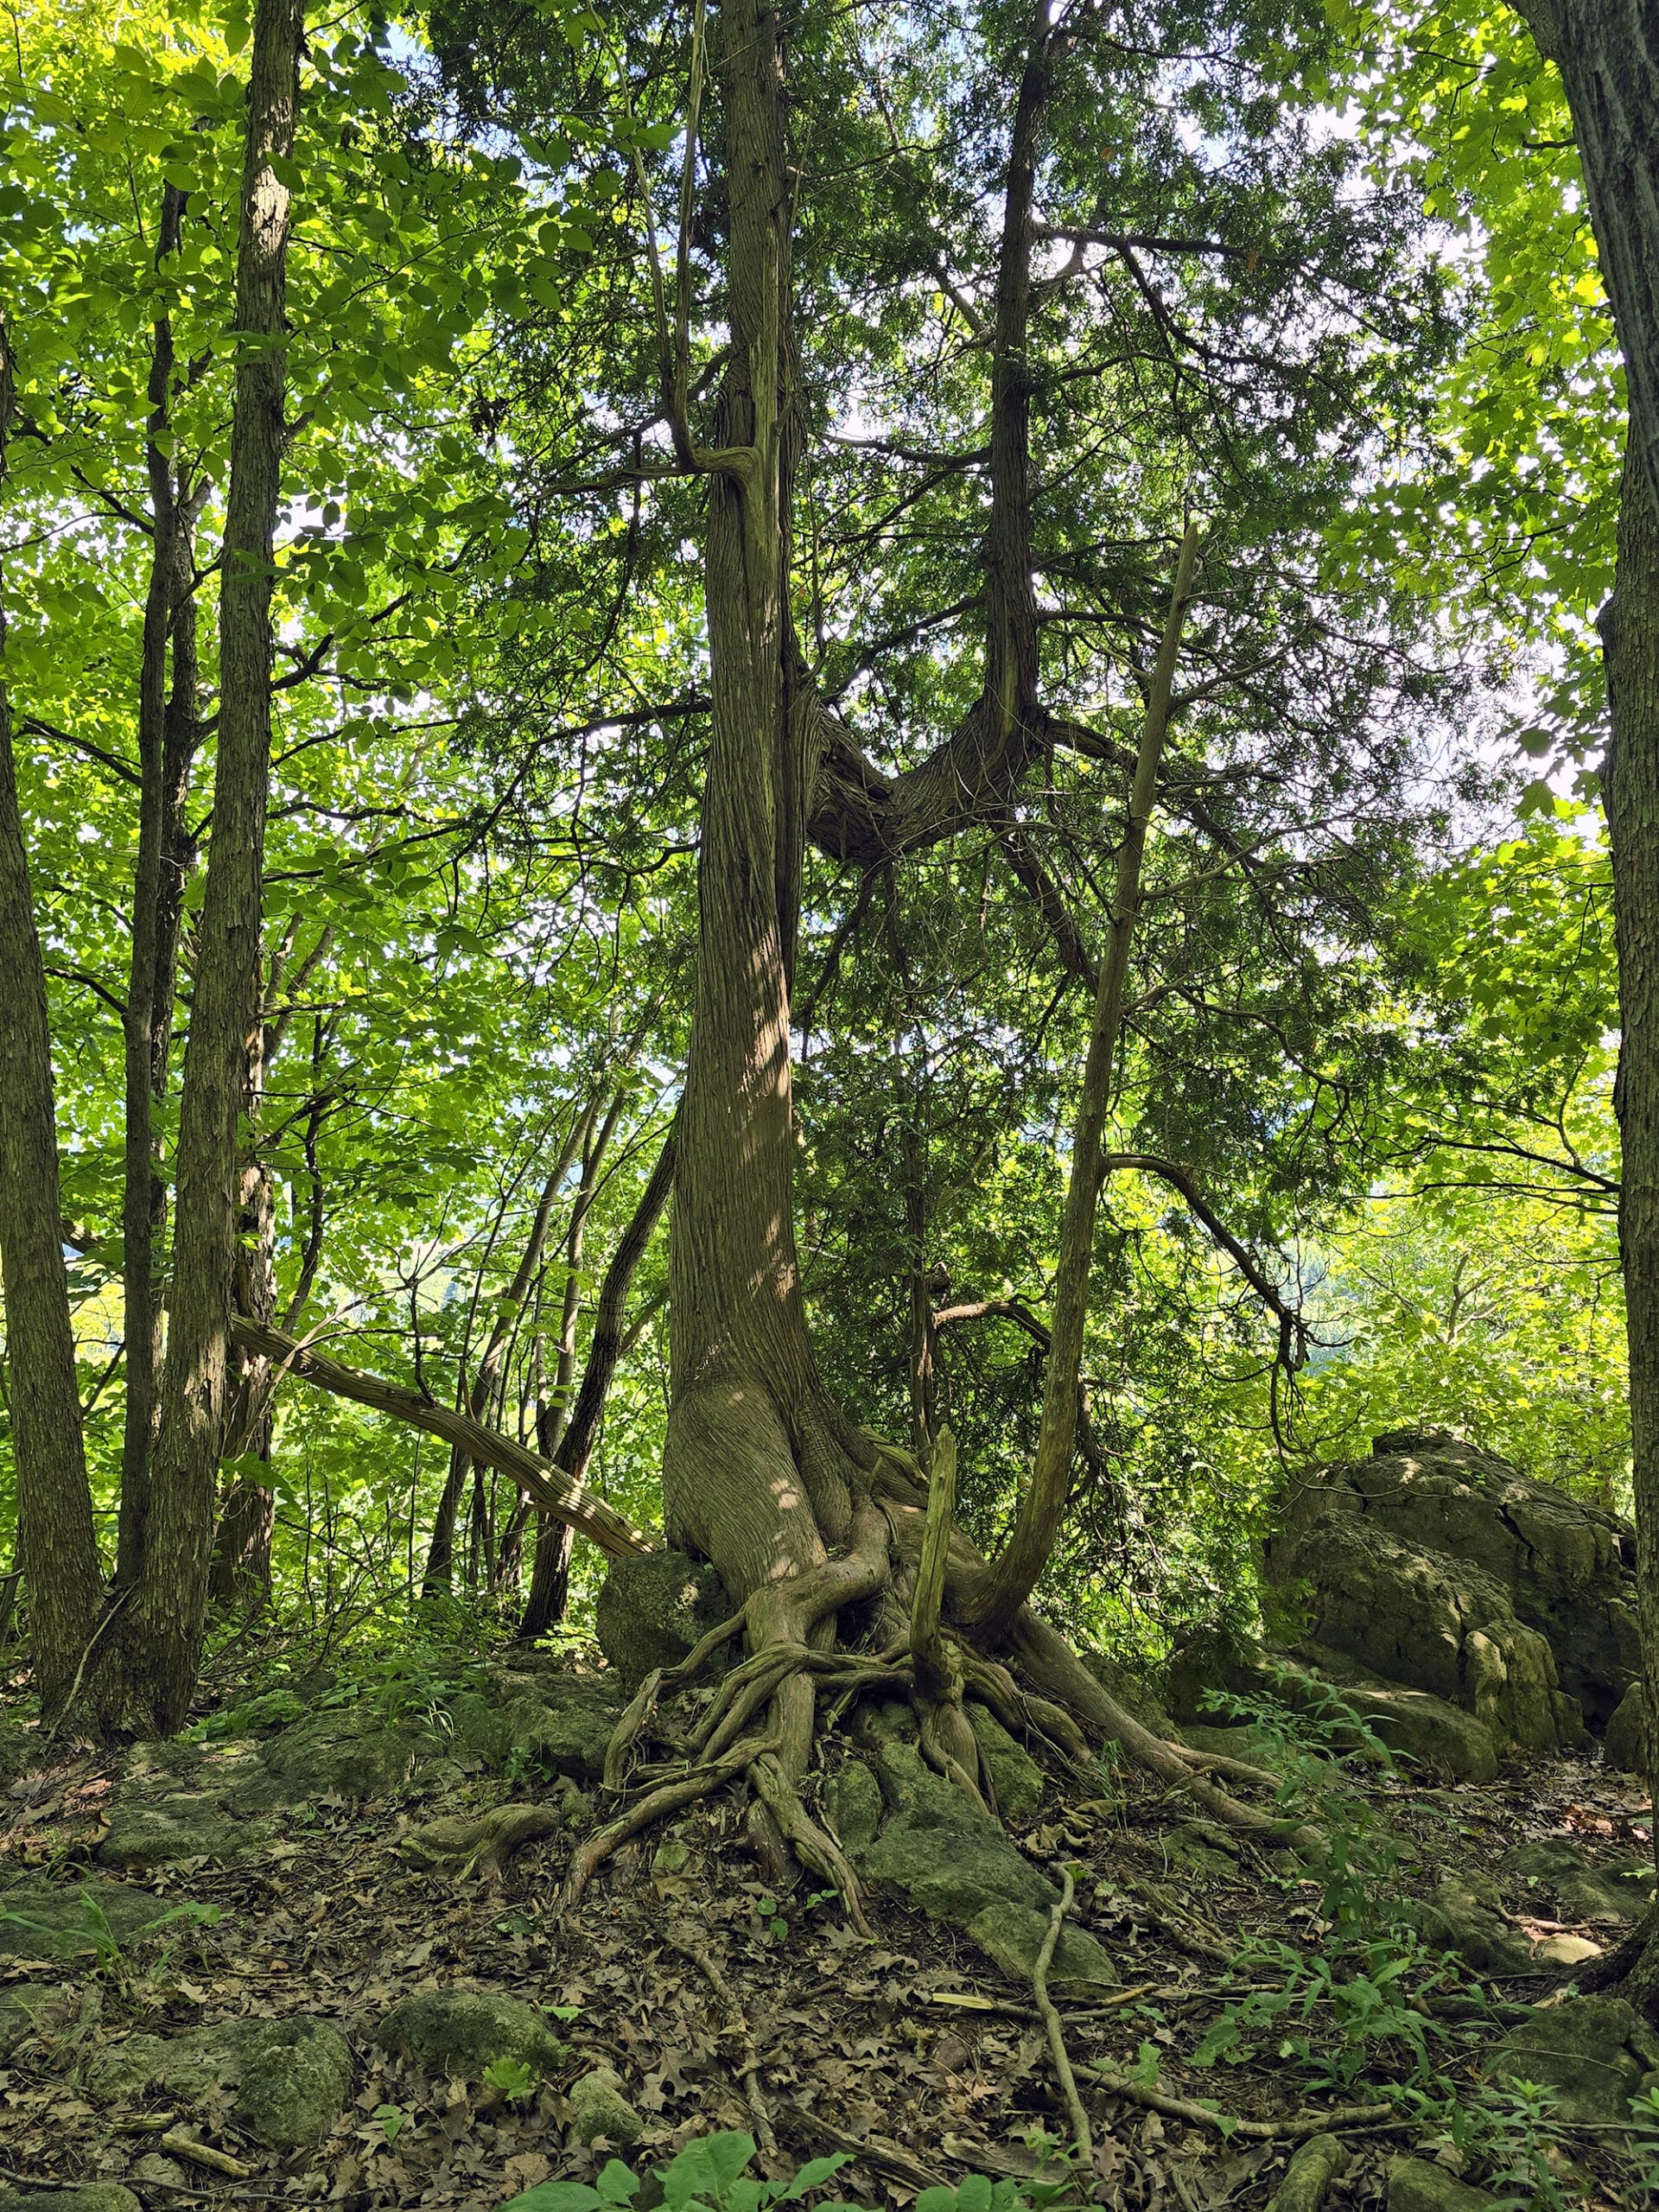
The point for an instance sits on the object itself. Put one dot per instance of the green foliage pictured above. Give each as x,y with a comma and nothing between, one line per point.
710,2174
514,2079
93,1930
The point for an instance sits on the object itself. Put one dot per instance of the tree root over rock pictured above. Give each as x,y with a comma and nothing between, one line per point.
902,1545
466,1847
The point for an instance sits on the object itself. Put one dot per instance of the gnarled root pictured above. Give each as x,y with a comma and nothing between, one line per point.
482,1846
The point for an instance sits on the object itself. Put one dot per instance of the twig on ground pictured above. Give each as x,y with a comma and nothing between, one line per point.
875,2152
1080,2131
1224,2123
185,2145
749,2069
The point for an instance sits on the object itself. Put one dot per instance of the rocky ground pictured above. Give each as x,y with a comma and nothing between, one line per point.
242,1969
315,1951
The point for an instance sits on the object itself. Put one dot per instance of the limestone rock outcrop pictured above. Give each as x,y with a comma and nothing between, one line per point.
1437,1566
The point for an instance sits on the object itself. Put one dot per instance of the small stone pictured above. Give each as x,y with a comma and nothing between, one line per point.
460,2032
162,2171
652,1609
1418,2185
1013,1936
1568,1950
598,2107
1595,2052
1015,1776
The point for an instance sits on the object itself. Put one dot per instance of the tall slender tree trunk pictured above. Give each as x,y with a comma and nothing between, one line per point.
168,736
168,1612
479,1399
57,1548
570,1444
1630,628
1607,52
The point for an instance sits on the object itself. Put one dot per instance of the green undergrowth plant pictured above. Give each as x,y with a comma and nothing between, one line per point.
711,2174
112,1959
1507,2136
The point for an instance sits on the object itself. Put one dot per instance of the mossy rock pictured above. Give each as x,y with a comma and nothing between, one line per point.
332,1754
852,1798
286,2080
295,2082
558,1721
1016,1777
1595,2053
652,1609
1585,1890
460,2032
935,1851
598,2108
1418,2185
31,2009
41,1921
146,1833
1013,1936
1203,1847
1466,1915
1625,1745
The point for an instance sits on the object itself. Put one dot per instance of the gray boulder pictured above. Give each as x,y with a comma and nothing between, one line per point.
1595,2052
652,1609
1566,1569
460,2032
1430,1621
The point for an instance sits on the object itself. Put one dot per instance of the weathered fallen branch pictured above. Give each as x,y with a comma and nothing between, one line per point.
561,1495
1224,2123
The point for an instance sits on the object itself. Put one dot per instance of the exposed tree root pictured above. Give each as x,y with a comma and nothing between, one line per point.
1224,2123
1081,2134
749,2063
810,2132
482,1848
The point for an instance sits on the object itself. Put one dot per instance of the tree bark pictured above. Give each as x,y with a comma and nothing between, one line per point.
1607,52
57,1547
169,1610
1630,630
168,735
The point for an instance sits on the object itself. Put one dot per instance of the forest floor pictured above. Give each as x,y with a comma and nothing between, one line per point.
720,2006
